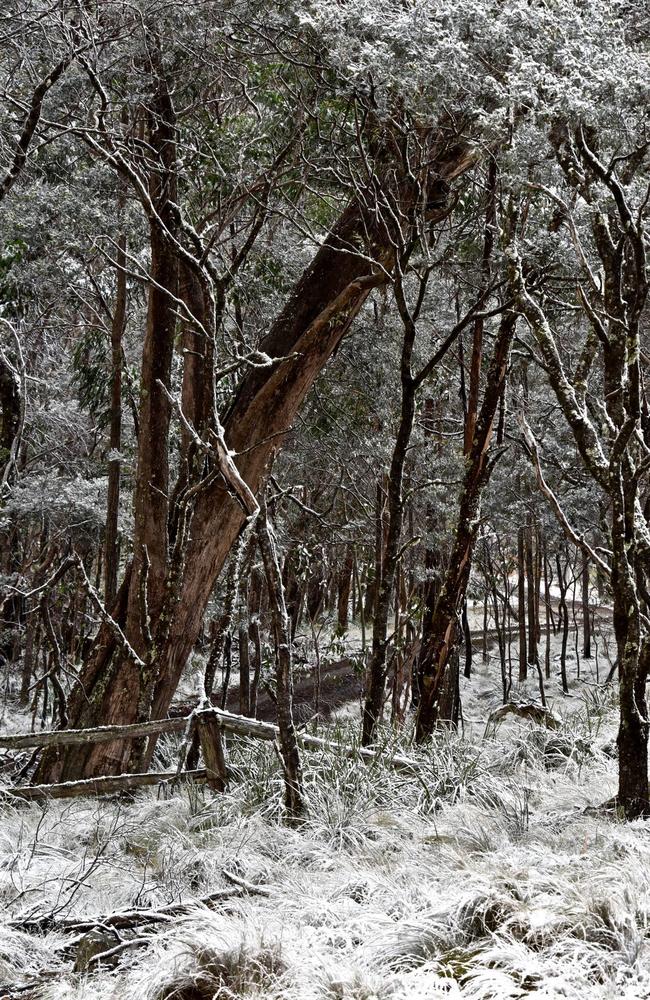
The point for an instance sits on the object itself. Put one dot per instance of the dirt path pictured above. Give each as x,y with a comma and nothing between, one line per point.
341,681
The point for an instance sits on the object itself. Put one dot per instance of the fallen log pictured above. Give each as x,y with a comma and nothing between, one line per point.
139,916
119,921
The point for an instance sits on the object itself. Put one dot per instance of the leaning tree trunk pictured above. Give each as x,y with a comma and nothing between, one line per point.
443,637
317,315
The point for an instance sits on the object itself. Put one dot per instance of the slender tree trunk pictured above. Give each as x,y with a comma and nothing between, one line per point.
294,794
586,614
28,659
361,603
244,672
531,594
344,588
547,611
521,594
443,637
255,606
471,415
115,441
633,655
564,612
486,619
467,639
388,543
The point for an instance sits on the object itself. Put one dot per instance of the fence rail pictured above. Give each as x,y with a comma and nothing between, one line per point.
210,723
102,734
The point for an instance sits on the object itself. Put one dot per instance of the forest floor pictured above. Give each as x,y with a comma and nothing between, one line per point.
487,872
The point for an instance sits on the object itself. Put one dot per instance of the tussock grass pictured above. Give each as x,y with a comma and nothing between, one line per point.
480,877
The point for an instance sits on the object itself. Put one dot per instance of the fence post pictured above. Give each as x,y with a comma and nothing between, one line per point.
210,736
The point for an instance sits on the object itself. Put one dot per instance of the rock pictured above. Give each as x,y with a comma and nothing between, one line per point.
94,943
535,713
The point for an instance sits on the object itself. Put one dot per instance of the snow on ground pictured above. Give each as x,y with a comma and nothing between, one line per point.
486,873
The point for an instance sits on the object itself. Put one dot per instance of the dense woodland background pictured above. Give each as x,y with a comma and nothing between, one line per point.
324,455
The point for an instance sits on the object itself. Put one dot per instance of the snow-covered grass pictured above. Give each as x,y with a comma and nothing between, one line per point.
485,874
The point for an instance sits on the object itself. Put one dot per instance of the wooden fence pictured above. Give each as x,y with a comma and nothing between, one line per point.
210,725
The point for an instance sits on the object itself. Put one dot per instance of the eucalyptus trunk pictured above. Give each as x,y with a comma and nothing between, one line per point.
435,669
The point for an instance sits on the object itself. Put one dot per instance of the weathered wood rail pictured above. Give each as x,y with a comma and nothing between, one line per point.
102,734
210,723
102,786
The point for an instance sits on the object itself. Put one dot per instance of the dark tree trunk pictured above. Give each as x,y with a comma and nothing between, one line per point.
443,639
500,626
548,611
255,605
531,594
521,595
294,794
388,548
467,640
244,672
28,660
293,589
564,613
344,588
586,614
486,619
10,413
115,440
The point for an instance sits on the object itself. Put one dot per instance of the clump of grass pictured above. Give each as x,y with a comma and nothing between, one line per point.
354,984
211,956
240,972
474,876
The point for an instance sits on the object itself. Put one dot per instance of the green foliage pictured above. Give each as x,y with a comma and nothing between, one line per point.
12,303
92,374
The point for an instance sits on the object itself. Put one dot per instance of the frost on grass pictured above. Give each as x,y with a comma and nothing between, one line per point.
481,877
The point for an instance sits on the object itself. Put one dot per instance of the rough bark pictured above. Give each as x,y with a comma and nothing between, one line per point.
316,317
112,687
